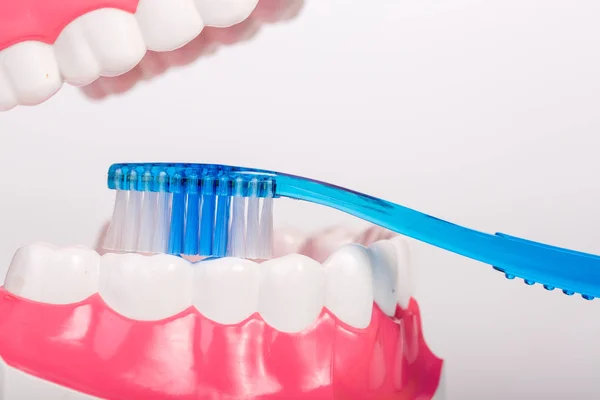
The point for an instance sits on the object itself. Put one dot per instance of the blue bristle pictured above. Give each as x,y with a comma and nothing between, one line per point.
221,227
208,218
177,224
192,215
192,224
176,228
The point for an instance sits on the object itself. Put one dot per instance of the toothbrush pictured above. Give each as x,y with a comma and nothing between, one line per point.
218,210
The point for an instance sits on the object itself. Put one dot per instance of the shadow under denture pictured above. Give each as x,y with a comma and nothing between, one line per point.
207,43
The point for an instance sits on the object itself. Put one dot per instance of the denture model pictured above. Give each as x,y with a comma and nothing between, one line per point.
325,319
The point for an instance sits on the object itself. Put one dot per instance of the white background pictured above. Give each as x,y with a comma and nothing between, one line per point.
485,113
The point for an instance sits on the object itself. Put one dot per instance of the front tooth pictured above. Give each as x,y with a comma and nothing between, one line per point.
226,289
385,275
168,25
350,285
115,39
76,60
292,292
224,13
40,272
32,70
146,288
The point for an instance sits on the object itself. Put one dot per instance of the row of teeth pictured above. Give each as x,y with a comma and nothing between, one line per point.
288,292
108,42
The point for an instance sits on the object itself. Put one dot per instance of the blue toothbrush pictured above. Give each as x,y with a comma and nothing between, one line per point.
218,210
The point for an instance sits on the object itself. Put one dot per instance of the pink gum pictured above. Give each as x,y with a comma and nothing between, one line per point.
89,347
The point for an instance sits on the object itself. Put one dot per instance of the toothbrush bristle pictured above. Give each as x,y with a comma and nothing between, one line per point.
204,212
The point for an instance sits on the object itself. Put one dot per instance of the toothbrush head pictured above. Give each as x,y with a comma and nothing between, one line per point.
192,209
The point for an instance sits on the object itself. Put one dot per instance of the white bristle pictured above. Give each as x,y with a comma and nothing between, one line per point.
237,232
115,231
132,222
160,241
266,229
148,222
253,233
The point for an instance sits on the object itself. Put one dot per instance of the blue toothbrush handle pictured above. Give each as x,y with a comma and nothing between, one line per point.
554,267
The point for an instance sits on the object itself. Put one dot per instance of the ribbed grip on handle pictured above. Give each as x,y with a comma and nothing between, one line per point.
511,273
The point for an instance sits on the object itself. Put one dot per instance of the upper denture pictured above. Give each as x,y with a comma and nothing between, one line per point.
42,44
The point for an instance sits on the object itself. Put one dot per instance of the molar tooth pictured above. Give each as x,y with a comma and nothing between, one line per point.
42,273
405,278
168,25
115,39
33,71
349,293
224,13
385,275
392,275
146,288
292,292
226,289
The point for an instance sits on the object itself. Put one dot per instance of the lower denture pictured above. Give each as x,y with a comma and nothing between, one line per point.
89,347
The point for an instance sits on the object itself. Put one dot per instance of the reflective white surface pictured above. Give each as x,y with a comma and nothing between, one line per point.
480,112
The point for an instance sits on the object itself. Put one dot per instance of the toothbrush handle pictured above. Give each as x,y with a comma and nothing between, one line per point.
554,267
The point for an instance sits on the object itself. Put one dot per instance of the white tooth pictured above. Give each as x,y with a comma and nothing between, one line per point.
224,13
292,292
385,275
226,289
115,39
76,60
146,288
392,276
349,293
168,25
16,385
32,70
42,273
7,97
405,278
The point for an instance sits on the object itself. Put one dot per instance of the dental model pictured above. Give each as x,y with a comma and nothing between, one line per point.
43,45
325,319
